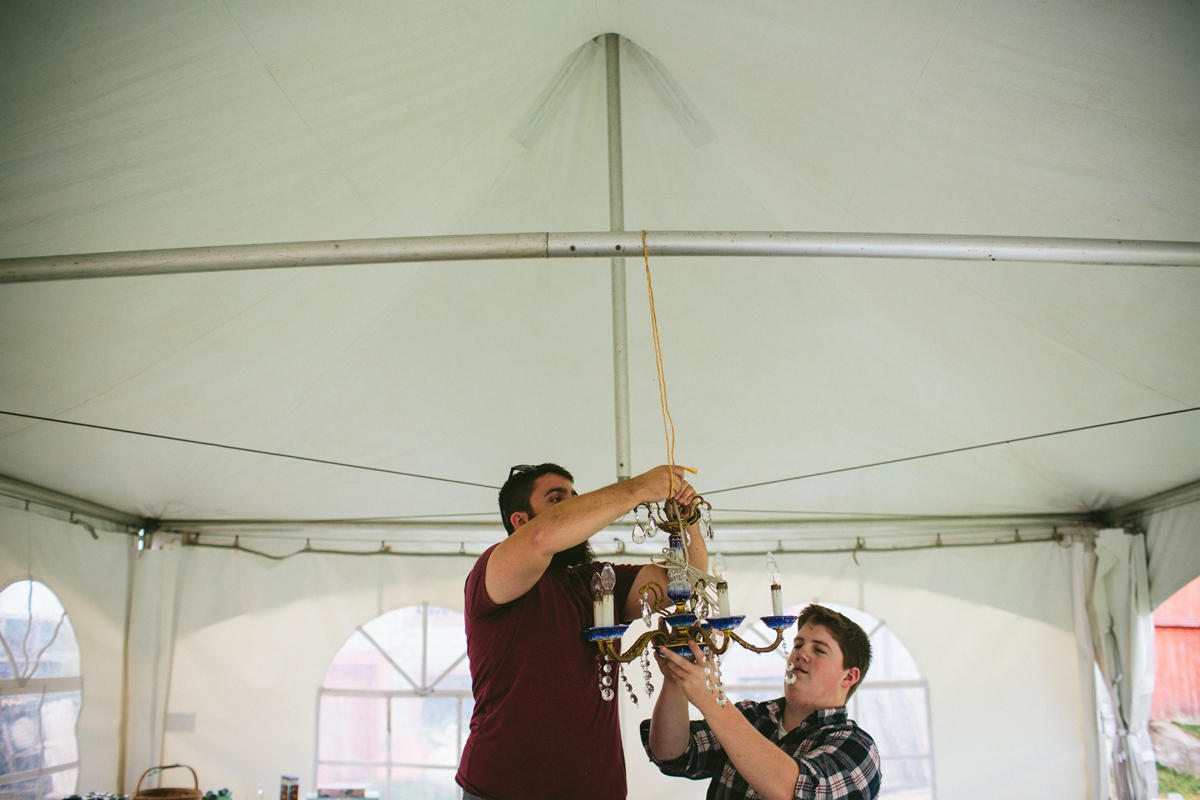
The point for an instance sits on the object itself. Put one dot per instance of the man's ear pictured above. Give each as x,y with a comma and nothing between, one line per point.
850,678
518,518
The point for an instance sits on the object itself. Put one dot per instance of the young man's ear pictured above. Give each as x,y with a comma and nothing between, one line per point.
850,678
518,518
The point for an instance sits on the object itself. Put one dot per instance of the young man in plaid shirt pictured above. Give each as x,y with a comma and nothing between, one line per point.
800,746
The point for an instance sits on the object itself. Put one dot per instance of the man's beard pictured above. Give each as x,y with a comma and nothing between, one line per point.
575,556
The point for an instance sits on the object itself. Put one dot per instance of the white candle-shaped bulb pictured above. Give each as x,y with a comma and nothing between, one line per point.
776,591
597,602
773,568
608,579
718,566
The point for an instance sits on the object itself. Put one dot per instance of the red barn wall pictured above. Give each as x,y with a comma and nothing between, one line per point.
1177,654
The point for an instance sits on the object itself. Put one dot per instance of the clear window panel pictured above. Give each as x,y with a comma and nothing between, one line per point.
40,637
22,790
424,784
360,665
908,779
468,708
896,718
60,710
742,666
374,777
353,728
60,784
447,642
398,632
426,734
425,731
20,739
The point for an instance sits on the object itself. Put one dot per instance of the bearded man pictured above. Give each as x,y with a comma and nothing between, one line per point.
540,728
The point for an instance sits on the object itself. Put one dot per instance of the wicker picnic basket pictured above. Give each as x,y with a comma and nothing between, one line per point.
168,792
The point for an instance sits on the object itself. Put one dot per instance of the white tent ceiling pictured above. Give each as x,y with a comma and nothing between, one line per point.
127,126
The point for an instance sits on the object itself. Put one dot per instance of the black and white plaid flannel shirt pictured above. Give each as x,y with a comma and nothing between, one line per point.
838,760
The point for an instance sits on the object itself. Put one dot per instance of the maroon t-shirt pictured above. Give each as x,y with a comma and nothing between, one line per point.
540,727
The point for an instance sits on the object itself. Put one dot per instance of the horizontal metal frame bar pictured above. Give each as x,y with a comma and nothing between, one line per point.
17,777
384,764
54,499
1185,493
387,694
781,523
605,244
865,685
12,686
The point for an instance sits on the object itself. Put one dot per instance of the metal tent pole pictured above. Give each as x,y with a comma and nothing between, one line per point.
502,246
616,222
66,502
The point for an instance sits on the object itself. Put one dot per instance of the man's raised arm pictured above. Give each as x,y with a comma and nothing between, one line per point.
561,520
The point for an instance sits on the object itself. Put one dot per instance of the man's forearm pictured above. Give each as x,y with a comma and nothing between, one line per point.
770,771
669,724
576,520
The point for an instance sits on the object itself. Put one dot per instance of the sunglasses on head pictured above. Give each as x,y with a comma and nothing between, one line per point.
519,468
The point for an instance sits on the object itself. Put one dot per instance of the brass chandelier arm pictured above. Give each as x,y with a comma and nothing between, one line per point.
748,646
635,650
695,633
710,643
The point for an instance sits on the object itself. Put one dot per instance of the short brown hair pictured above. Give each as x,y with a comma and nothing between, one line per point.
853,641
516,491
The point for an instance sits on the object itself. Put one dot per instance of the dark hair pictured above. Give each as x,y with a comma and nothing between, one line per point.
516,491
853,641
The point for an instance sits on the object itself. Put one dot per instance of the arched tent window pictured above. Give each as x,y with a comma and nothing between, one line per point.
395,706
891,704
40,694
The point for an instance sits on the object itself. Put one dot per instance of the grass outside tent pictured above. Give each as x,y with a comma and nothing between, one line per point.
1171,781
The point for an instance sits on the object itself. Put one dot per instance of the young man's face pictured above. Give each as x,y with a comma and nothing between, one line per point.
821,681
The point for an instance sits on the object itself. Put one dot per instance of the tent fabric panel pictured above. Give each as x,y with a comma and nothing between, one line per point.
255,641
90,578
1123,630
1173,546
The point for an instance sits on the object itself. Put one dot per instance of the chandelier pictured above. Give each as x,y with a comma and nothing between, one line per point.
696,606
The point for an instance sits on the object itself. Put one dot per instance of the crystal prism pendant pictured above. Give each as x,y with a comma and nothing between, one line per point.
639,533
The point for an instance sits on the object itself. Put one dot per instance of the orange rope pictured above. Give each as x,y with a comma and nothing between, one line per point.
668,423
